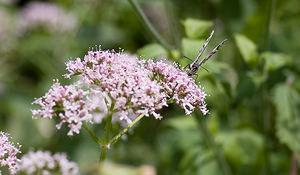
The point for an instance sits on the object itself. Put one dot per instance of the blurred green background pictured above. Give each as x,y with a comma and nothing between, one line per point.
253,81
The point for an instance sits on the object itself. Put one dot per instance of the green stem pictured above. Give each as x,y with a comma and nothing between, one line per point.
93,135
268,25
106,136
211,143
265,113
149,26
173,25
107,128
103,154
116,138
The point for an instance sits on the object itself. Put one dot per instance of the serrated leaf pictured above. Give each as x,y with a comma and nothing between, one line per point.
274,61
195,28
287,103
152,51
247,48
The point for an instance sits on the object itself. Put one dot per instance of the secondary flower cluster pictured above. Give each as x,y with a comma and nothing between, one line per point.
42,162
70,104
120,84
7,31
8,154
46,15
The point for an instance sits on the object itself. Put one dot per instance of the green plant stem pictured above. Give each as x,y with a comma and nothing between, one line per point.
116,138
149,26
271,7
106,137
173,25
211,143
93,135
265,94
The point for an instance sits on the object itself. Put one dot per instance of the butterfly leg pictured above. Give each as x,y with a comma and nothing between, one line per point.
205,69
187,66
188,58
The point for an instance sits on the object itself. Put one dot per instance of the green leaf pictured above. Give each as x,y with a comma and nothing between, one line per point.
246,87
247,48
274,61
287,103
210,168
152,51
221,72
182,123
242,147
195,28
191,47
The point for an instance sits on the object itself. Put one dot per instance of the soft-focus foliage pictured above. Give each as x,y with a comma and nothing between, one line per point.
253,82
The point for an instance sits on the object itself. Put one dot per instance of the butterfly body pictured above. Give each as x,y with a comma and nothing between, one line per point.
194,67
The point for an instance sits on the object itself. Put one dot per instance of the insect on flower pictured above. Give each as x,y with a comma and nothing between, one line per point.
194,67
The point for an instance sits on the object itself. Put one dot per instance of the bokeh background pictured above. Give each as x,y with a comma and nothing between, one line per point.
253,81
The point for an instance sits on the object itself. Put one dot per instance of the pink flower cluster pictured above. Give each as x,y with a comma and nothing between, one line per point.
8,153
42,162
144,86
47,15
120,84
179,86
70,103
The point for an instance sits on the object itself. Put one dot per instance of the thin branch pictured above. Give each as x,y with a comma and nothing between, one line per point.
265,113
211,143
268,25
116,138
149,26
294,165
93,135
106,136
173,25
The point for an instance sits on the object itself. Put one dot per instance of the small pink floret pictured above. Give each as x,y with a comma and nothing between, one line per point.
8,153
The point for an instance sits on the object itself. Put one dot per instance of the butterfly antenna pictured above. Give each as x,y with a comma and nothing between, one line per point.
205,45
212,52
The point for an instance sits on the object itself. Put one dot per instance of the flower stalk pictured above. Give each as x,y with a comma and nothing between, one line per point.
106,137
93,135
117,137
148,25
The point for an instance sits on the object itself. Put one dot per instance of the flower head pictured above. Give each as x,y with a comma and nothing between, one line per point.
120,84
144,86
8,153
47,164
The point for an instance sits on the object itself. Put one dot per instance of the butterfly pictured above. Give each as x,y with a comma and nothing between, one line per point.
194,67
